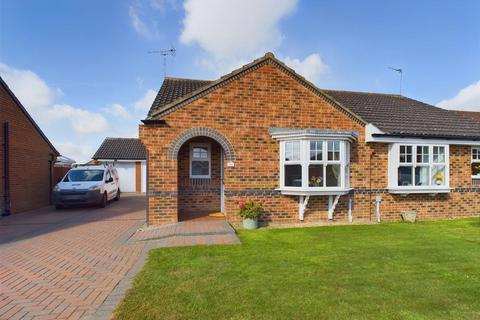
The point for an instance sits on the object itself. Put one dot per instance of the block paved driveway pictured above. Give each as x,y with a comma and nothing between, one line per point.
63,264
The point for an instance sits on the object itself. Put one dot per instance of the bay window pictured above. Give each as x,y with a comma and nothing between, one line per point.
314,165
314,161
418,168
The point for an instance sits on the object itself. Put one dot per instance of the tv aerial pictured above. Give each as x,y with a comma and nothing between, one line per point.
164,53
400,71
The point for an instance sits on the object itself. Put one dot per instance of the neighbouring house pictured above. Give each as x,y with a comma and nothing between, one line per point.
265,133
26,158
128,155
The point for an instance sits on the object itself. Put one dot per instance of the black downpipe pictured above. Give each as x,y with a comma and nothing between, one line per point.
6,170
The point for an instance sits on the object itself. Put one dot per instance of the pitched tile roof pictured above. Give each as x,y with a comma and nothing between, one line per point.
174,88
470,114
393,114
121,149
399,115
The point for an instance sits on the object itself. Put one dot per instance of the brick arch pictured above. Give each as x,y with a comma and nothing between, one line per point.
201,132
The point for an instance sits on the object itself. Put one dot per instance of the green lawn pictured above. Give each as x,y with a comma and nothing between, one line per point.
427,270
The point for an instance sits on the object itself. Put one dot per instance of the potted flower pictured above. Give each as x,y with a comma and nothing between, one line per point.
250,211
316,181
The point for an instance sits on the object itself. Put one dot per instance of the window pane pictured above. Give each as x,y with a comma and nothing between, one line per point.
293,175
475,154
439,154
200,168
422,154
200,153
333,175
315,175
438,175
333,150
421,176
292,150
475,169
405,177
316,150
405,154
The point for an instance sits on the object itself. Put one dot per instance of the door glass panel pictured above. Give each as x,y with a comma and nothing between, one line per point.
200,168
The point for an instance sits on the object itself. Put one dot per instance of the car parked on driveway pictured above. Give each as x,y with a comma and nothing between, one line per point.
87,185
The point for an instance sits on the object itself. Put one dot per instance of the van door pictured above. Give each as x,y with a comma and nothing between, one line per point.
110,185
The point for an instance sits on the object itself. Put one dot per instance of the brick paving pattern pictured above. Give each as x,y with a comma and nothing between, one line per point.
64,264
78,263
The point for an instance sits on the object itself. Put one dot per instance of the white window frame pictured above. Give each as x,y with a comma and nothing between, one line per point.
394,164
344,162
477,149
209,159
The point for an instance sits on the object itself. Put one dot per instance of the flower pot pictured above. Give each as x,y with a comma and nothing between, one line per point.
250,223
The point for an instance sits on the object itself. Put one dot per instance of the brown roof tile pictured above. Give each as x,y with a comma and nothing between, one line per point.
121,149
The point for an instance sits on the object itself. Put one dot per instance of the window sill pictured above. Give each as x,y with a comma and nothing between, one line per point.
309,192
419,190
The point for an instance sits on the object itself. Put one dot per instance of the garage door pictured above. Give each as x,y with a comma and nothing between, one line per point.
126,173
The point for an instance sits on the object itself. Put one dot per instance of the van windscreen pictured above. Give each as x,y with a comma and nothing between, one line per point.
84,175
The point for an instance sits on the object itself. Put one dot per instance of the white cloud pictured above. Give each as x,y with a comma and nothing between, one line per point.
312,67
140,22
467,98
30,89
146,101
75,132
117,110
81,120
79,153
163,5
38,98
231,31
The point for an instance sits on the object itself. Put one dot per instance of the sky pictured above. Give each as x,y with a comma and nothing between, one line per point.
83,70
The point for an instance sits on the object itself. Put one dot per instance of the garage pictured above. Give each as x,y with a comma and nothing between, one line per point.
128,155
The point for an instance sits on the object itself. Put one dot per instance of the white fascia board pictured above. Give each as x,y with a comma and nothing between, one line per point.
409,140
370,130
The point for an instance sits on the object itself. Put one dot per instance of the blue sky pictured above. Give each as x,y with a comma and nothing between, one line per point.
83,71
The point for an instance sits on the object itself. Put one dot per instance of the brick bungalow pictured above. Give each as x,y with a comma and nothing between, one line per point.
26,158
265,133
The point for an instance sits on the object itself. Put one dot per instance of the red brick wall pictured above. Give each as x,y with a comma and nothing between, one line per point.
29,159
201,195
242,111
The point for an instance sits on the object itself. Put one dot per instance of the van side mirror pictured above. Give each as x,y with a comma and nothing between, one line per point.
109,180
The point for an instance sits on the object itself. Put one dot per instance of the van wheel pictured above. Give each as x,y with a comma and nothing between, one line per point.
103,202
117,197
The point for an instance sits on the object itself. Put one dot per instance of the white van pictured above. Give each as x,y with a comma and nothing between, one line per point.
87,185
